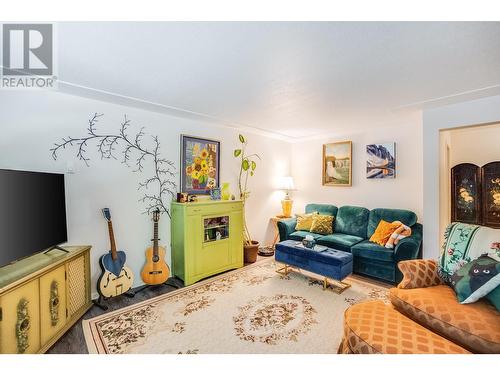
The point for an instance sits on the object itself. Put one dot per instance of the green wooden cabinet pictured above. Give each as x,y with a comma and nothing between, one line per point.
207,238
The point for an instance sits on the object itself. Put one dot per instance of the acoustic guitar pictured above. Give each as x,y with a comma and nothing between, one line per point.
116,278
156,270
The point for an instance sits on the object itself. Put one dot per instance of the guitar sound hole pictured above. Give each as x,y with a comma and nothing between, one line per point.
156,258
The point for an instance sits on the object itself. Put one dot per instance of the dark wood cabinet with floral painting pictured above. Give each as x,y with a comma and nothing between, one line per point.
490,181
475,194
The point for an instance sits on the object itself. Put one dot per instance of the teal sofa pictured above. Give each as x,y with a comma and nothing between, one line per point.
352,228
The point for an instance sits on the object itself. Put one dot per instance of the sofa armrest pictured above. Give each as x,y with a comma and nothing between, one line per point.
419,273
409,247
286,227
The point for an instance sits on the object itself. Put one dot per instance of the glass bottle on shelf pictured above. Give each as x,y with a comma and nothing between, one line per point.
225,191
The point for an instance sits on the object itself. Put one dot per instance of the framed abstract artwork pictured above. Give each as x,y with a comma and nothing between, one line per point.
381,160
200,165
337,164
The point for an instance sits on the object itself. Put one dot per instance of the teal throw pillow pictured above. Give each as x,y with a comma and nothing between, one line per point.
476,279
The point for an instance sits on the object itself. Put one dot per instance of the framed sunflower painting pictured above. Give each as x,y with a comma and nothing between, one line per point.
200,160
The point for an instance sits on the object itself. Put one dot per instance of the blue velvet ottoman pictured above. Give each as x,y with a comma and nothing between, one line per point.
329,263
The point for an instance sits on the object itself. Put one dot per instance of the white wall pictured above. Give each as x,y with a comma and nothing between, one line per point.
481,111
478,145
444,180
405,191
31,121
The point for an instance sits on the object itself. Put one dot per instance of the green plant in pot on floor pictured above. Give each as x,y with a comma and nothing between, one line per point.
248,165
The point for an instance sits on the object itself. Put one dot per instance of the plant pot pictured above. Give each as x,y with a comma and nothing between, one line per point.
250,252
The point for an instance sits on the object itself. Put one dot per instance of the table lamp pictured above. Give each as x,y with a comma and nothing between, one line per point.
286,184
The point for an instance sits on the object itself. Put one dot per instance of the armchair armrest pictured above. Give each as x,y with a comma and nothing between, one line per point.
286,227
419,273
408,248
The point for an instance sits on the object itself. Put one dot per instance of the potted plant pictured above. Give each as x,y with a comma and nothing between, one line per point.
248,165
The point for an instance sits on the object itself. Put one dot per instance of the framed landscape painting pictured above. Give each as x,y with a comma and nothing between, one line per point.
200,165
337,164
381,160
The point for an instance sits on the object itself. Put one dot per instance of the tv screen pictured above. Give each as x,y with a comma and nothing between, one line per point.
32,213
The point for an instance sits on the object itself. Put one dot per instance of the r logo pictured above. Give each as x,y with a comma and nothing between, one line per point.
27,49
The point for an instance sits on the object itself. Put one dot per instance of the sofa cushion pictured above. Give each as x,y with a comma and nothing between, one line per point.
322,224
408,218
304,221
352,220
383,232
367,249
301,234
322,209
474,326
419,273
339,241
373,327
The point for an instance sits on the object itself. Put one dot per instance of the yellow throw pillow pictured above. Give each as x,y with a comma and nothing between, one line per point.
383,232
304,221
322,224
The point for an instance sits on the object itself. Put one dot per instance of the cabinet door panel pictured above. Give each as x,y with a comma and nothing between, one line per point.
466,193
491,194
194,236
52,303
212,257
237,237
20,325
78,276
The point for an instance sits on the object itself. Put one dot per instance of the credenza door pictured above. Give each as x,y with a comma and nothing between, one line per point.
20,323
52,303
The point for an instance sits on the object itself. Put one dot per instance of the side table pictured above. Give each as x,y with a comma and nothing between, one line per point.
268,250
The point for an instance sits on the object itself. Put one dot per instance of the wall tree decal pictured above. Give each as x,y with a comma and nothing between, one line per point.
133,150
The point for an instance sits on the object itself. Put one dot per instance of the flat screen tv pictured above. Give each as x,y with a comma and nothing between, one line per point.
32,213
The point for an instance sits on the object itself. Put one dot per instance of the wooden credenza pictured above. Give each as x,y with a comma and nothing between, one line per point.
41,297
207,238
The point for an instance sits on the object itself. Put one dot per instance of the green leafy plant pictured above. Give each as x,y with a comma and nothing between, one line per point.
248,165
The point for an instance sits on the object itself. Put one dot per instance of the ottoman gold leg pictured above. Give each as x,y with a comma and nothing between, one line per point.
283,270
339,286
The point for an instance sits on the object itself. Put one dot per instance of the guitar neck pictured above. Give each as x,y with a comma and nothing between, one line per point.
112,240
155,239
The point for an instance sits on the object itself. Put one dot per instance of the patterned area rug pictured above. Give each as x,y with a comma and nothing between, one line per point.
250,310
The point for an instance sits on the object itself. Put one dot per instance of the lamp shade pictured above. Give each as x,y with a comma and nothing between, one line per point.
286,183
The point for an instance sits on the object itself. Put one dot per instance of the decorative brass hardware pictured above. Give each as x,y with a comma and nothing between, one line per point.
22,326
337,286
54,303
284,270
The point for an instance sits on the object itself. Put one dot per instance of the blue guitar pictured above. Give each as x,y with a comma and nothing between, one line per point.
116,278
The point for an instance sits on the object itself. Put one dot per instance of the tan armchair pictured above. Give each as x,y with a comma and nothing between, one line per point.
424,298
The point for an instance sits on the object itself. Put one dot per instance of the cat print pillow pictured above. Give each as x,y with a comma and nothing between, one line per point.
476,279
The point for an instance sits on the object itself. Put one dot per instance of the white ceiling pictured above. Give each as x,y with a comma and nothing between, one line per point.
293,79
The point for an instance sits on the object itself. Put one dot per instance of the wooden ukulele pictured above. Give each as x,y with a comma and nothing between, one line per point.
115,278
155,271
